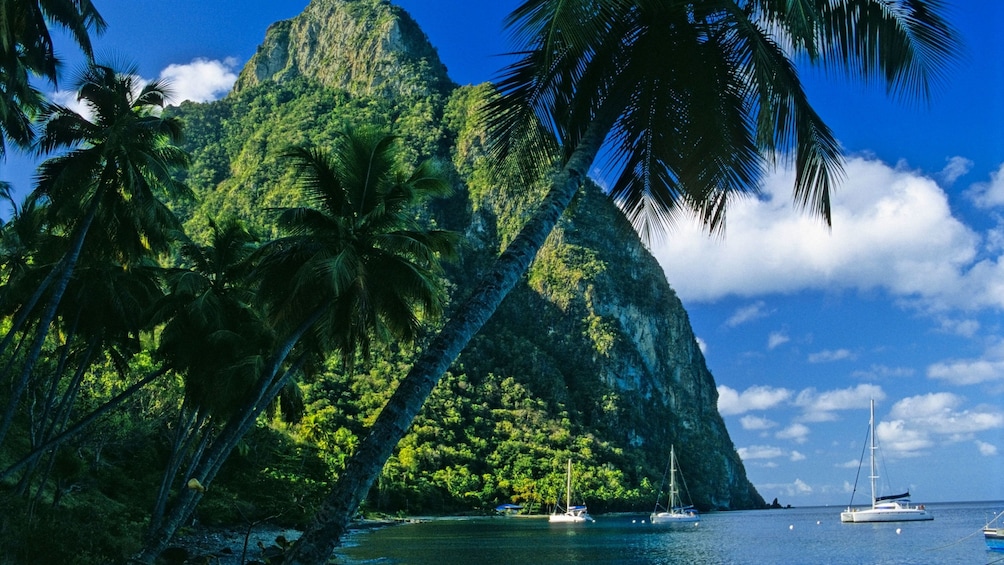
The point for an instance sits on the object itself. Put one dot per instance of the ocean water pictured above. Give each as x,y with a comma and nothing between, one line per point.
791,536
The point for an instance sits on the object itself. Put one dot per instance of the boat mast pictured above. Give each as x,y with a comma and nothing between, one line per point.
568,489
871,433
672,477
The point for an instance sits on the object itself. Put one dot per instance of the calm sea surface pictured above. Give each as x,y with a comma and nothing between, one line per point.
796,536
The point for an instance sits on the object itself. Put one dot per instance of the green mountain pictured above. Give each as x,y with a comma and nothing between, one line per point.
592,357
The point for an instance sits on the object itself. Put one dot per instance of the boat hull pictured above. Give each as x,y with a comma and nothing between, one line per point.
569,518
994,538
900,514
670,518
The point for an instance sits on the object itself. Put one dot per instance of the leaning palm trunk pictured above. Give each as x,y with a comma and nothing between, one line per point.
211,457
324,533
68,263
80,425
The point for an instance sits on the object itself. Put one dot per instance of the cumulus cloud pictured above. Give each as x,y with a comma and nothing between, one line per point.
760,452
968,371
918,423
796,456
892,230
731,402
201,80
756,423
819,406
798,433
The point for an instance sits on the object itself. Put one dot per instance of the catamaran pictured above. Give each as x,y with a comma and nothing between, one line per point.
675,512
892,508
571,513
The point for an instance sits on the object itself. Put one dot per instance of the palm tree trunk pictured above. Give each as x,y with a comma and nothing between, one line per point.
42,330
223,444
324,533
82,424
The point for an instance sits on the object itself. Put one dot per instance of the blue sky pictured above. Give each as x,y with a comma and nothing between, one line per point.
901,301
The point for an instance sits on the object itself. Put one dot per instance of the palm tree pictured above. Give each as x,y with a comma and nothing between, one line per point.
354,266
120,158
27,50
693,99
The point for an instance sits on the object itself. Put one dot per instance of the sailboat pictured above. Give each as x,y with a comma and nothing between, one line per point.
675,512
572,514
892,508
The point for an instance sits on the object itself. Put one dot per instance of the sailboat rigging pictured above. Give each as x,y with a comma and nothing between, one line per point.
889,508
675,511
572,513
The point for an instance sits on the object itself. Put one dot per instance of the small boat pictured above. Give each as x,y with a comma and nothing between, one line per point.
675,512
891,508
508,509
993,534
571,514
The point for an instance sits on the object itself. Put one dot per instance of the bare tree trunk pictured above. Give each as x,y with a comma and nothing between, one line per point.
325,531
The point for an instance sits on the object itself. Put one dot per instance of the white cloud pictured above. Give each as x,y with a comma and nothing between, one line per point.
989,194
893,229
796,488
731,402
828,356
796,456
756,423
702,345
987,449
798,433
918,423
777,339
955,167
967,372
819,406
201,80
748,313
760,452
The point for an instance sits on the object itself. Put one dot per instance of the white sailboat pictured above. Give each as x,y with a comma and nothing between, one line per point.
894,508
571,514
675,512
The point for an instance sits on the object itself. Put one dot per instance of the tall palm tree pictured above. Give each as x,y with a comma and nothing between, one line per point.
119,159
355,265
693,99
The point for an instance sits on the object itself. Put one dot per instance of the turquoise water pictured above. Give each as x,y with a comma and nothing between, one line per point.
798,535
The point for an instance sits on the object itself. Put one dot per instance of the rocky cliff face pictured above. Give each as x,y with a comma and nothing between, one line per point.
600,337
363,47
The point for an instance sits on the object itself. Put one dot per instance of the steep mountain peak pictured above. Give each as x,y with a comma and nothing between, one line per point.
368,47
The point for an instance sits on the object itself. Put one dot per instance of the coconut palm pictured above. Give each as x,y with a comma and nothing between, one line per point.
26,51
355,265
693,100
118,160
